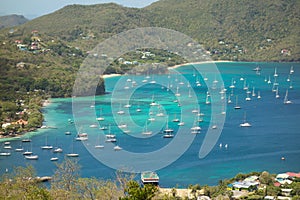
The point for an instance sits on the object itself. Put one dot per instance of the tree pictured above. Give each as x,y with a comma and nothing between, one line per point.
65,179
134,191
22,184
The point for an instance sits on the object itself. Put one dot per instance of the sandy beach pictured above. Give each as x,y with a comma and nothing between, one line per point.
110,75
202,62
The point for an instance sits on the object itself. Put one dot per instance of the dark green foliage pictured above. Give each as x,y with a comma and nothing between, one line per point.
136,192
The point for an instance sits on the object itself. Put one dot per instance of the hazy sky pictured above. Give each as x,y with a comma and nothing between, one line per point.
35,8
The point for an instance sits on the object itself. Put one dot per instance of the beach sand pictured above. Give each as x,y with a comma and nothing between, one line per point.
202,62
110,75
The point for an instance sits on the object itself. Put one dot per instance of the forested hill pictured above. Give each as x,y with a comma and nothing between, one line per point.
229,29
12,20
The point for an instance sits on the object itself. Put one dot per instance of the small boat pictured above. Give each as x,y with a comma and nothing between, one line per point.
99,146
275,72
93,126
72,155
117,148
196,128
236,104
248,97
27,153
245,123
58,150
150,177
175,119
292,70
5,153
277,96
67,133
32,157
103,128
168,135
168,130
7,147
82,137
258,68
54,159
286,100
258,95
145,131
20,149
46,146
6,143
26,140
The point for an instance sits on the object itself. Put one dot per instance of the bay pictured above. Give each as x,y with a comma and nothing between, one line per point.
274,133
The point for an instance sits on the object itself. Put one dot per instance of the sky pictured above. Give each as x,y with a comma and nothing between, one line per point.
35,8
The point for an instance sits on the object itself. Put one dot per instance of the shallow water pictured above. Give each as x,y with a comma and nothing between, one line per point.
274,133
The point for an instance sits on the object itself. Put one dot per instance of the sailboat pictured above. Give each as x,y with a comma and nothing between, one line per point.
229,100
32,157
196,128
100,118
168,131
286,101
46,146
236,103
72,154
117,148
275,72
269,80
145,131
19,149
245,123
28,152
277,93
258,95
248,97
110,137
253,92
207,101
153,103
175,119
57,149
99,146
292,70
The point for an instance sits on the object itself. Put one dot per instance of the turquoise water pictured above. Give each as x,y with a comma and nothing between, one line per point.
274,133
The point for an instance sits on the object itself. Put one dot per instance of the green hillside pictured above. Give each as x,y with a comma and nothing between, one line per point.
260,28
235,30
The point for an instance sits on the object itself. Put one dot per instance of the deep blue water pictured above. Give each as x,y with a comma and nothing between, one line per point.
274,133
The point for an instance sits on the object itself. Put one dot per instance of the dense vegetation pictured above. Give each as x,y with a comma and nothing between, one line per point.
66,183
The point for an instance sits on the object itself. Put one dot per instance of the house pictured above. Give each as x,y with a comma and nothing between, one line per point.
293,174
20,122
283,178
20,65
286,191
246,185
269,197
5,125
285,52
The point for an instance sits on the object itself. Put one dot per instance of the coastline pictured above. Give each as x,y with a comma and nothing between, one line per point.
201,62
110,75
44,104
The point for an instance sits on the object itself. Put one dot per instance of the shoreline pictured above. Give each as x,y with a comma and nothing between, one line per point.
110,75
200,62
44,104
